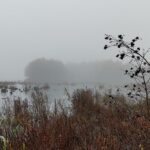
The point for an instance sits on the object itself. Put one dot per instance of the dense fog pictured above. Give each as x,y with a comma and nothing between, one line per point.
54,71
67,30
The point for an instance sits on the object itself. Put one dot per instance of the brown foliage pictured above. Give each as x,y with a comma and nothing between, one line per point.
90,126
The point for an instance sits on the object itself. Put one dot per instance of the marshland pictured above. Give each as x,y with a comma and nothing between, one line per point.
74,75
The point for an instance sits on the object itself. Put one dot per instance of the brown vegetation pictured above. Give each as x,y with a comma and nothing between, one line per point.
90,125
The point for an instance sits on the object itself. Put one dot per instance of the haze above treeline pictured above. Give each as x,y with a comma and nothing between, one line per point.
66,30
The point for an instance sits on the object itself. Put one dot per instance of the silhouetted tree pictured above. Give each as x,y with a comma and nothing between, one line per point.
140,66
42,70
54,71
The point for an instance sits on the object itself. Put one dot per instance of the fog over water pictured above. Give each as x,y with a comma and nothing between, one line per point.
66,30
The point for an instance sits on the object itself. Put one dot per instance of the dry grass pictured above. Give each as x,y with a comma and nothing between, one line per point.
91,125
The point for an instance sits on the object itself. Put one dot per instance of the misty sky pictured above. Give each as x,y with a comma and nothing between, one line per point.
67,30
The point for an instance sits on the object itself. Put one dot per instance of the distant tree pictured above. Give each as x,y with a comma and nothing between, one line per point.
42,70
140,65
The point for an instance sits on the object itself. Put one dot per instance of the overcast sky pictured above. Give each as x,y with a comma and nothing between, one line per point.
67,30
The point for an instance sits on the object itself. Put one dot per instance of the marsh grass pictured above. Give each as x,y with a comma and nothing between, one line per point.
95,123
